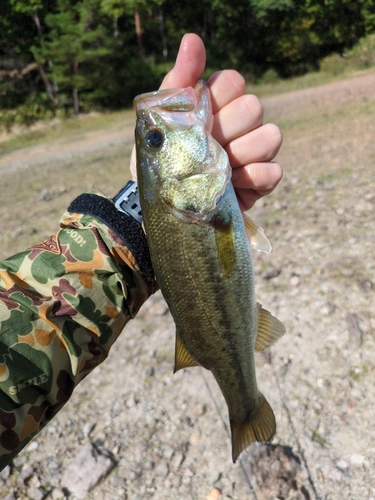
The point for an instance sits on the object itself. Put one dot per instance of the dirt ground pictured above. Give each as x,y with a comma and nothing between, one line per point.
166,435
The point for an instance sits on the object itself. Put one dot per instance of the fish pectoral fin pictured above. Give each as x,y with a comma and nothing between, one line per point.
225,245
182,358
261,427
255,234
270,329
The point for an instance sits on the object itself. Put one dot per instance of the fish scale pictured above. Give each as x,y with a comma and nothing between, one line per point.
200,253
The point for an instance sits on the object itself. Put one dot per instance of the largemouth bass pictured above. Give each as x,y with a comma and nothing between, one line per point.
200,252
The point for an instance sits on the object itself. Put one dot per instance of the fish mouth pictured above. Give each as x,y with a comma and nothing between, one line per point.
183,100
179,106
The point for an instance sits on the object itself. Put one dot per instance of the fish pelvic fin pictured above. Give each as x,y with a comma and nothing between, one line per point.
256,236
261,427
183,358
270,329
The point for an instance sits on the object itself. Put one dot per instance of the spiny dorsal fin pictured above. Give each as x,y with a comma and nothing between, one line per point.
270,329
260,426
182,358
255,234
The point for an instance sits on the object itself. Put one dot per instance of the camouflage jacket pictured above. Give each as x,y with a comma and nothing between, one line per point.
63,303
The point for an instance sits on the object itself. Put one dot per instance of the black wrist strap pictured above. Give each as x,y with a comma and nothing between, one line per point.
122,224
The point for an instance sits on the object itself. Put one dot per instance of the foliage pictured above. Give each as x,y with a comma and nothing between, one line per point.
35,108
88,54
360,56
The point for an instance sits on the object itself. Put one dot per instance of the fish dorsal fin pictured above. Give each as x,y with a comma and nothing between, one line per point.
270,329
260,426
182,358
255,234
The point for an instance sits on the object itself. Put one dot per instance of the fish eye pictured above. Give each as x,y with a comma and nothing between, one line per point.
155,138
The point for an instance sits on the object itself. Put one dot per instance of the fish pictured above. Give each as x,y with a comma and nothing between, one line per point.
199,246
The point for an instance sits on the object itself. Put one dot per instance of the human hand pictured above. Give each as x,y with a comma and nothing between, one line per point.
238,123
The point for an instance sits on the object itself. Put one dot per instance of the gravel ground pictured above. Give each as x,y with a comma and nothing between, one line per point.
132,430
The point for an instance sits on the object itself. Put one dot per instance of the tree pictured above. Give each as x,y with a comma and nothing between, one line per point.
77,44
33,8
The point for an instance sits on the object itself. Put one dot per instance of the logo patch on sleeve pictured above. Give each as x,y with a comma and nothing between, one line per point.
51,245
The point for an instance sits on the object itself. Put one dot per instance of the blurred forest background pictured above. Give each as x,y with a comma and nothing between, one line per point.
59,57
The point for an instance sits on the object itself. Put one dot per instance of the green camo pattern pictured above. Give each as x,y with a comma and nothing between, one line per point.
63,303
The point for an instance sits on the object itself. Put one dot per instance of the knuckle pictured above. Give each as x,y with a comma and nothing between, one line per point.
254,107
238,81
275,137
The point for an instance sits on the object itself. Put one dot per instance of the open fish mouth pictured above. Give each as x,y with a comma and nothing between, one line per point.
178,107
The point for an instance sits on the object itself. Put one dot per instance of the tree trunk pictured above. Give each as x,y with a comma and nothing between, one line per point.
75,92
138,31
162,32
51,90
116,31
37,22
76,101
46,82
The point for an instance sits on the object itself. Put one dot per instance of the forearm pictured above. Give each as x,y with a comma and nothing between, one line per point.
62,305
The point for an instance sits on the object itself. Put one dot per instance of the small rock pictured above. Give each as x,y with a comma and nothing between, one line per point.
168,452
161,469
355,332
196,437
45,195
57,494
150,372
271,272
347,272
20,460
35,493
187,420
177,460
215,477
32,446
199,410
357,459
188,473
335,475
10,497
85,471
34,481
147,465
88,428
328,309
295,280
365,285
5,472
214,494
342,464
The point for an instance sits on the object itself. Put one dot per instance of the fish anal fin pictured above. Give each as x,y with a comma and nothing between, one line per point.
270,329
261,427
255,234
182,357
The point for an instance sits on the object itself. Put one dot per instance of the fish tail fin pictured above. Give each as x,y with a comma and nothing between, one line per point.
260,426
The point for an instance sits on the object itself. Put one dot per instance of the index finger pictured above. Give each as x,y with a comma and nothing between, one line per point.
225,86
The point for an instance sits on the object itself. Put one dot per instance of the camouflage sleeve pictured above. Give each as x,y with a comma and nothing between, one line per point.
63,303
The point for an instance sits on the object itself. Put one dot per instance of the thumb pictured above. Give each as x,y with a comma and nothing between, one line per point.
189,65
